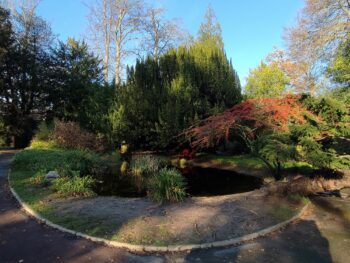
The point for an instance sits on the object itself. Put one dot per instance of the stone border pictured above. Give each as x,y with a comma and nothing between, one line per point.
172,248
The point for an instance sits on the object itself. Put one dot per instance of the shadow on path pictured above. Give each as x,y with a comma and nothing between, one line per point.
299,243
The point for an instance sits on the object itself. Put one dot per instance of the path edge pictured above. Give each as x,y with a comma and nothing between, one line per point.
145,248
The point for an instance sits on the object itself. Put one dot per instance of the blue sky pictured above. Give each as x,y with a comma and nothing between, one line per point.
250,28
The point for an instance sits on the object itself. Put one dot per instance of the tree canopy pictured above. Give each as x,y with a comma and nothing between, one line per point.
267,80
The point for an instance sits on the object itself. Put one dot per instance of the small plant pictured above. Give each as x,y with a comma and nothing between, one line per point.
38,179
167,186
75,186
142,167
297,198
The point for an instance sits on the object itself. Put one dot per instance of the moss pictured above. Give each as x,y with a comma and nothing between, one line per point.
282,212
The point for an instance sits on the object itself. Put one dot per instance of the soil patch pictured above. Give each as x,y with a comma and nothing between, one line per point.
197,220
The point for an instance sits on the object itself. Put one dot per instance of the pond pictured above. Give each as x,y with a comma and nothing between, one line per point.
200,182
212,181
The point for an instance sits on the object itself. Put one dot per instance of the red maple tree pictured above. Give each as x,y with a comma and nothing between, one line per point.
250,116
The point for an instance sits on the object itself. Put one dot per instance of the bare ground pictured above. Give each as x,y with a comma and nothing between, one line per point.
197,220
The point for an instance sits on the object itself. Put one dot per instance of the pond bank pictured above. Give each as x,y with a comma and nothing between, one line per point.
197,220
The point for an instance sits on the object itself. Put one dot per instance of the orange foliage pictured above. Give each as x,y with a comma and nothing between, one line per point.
266,113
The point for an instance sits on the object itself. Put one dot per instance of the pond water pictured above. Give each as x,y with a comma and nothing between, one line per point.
200,182
211,181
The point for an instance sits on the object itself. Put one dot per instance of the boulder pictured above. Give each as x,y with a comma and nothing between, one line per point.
52,175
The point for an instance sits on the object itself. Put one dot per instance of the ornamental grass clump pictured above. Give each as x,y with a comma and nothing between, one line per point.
142,167
168,185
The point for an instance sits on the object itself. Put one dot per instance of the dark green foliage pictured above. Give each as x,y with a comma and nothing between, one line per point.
330,110
274,150
314,153
24,77
39,81
317,139
162,98
79,94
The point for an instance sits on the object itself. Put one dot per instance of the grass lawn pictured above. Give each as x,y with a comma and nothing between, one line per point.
38,198
248,161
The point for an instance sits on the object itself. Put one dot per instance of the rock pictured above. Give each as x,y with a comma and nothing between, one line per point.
344,193
52,175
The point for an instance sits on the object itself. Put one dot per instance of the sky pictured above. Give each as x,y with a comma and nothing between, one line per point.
250,28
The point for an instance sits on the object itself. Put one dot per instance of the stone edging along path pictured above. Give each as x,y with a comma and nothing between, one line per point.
172,248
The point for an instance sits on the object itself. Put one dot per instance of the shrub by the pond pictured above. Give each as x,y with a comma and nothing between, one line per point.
143,166
69,135
74,186
168,185
53,159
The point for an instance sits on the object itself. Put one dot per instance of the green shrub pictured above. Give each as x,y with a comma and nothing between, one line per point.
54,159
44,132
341,162
313,153
274,150
41,144
74,186
168,185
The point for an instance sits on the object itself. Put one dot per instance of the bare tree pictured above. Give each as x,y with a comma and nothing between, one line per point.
100,21
321,26
128,18
160,34
299,78
115,26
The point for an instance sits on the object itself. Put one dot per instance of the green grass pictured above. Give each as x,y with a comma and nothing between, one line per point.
27,179
235,160
282,212
36,195
299,199
248,161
